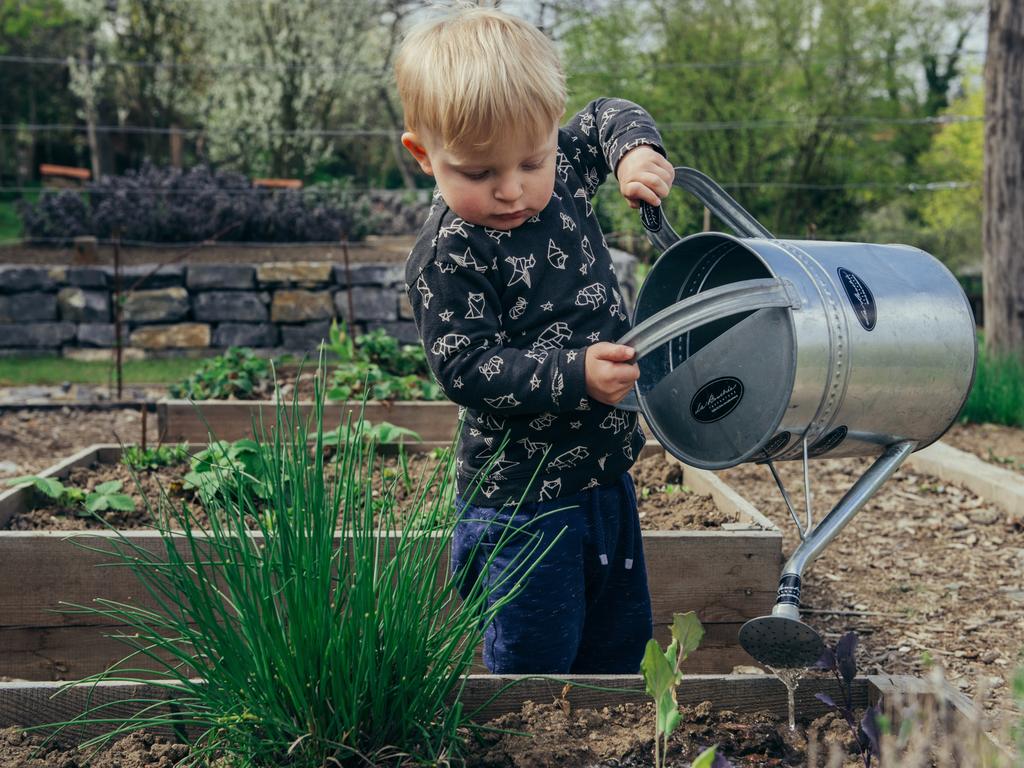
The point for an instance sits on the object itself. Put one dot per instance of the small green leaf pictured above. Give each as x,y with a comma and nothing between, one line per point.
47,485
96,502
687,631
111,486
661,681
705,759
122,502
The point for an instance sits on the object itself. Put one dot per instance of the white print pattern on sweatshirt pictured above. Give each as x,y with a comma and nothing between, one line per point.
506,316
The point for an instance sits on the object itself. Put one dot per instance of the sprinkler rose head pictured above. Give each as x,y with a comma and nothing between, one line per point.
778,641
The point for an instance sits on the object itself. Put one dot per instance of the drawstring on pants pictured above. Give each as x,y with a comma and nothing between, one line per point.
597,526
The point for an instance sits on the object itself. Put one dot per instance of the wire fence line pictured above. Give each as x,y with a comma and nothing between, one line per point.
909,186
212,66
841,121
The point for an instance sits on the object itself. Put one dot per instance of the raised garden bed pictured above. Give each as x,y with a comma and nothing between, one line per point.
726,574
574,726
994,443
989,480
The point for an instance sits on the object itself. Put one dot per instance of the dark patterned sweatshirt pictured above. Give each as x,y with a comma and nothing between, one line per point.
505,318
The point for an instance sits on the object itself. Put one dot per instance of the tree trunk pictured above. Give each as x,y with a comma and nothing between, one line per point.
1003,217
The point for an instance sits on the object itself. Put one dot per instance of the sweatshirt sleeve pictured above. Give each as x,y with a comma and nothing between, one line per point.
600,134
458,309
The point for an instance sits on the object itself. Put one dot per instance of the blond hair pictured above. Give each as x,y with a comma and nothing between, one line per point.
476,76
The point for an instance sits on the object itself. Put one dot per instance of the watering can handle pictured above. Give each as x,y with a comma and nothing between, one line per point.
707,306
701,309
706,190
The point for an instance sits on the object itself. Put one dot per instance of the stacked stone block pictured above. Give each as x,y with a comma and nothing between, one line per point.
277,305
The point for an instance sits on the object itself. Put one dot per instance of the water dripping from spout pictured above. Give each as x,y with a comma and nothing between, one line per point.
790,677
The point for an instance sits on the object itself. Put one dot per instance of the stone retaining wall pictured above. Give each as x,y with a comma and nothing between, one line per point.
276,305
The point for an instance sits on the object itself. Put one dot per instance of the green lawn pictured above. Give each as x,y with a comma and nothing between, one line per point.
23,371
10,224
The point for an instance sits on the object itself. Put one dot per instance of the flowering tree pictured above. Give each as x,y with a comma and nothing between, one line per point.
289,73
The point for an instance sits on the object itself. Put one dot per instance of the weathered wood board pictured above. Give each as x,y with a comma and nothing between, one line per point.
726,576
489,696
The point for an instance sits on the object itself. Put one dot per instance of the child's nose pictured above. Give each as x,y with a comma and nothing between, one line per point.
509,188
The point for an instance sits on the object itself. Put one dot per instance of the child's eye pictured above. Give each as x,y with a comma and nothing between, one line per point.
533,166
476,176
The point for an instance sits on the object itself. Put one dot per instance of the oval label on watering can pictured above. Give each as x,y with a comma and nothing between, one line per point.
716,399
861,298
776,444
828,442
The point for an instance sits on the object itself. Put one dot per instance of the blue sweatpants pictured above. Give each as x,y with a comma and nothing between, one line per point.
585,607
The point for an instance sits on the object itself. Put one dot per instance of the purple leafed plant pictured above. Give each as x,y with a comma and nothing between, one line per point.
154,204
841,662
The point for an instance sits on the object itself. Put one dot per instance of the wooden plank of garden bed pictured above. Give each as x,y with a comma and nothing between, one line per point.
487,696
184,421
726,576
74,652
993,483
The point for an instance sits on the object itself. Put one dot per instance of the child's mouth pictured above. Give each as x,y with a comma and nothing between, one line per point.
511,216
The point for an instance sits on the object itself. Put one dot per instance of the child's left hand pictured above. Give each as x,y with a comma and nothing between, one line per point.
644,175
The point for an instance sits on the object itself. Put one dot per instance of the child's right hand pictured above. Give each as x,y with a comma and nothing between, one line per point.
611,371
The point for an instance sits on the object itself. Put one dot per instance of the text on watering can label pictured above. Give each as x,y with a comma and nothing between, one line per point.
776,444
829,441
716,399
861,298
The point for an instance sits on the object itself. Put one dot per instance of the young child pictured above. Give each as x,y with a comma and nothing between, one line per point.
518,307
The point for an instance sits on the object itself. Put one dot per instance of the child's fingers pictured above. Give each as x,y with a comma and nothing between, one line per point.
617,353
665,169
636,191
655,181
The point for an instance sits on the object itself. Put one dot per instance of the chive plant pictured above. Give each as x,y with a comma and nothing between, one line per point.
286,645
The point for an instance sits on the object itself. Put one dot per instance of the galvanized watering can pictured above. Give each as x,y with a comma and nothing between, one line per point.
757,349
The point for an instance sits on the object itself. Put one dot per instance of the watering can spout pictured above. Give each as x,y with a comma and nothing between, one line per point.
782,639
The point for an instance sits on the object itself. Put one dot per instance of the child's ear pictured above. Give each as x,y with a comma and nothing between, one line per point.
412,143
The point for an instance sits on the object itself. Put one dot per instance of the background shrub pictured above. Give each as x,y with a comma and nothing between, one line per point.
166,205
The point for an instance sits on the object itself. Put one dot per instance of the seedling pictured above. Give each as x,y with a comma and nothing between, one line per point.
376,366
223,469
105,496
662,674
139,458
239,372
48,486
338,343
841,662
381,433
108,496
673,488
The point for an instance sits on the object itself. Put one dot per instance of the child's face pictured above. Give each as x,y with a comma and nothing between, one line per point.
500,188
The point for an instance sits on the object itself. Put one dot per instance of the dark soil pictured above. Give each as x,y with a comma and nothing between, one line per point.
620,736
623,736
142,750
664,503
33,440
